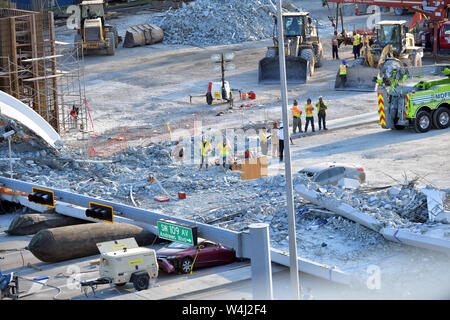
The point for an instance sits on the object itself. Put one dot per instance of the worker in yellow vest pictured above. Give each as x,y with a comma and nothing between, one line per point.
205,148
335,45
223,148
309,108
343,73
365,40
296,113
322,107
264,140
356,45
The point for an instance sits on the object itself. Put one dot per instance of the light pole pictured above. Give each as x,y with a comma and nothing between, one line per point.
287,164
223,59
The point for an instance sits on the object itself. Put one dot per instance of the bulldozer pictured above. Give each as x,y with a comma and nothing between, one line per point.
303,50
392,45
93,33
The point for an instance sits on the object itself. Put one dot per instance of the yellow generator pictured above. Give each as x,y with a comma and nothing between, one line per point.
94,33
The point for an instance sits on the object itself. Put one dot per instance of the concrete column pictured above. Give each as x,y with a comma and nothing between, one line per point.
260,261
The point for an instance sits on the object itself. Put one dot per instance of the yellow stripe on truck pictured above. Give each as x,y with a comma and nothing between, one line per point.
381,110
136,261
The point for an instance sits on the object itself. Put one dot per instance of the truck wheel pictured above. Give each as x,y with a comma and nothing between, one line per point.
318,55
422,122
441,118
185,265
209,99
308,54
112,46
116,37
141,282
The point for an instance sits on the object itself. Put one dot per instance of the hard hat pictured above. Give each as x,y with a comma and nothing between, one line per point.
365,32
308,100
344,61
320,97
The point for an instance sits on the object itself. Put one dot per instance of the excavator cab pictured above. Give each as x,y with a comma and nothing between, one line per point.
392,33
293,26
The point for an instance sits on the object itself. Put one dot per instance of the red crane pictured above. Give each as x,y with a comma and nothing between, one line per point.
434,11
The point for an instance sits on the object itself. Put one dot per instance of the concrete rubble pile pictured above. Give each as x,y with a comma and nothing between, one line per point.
216,22
224,200
241,201
401,206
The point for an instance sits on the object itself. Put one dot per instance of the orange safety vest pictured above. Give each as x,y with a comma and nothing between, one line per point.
309,110
334,40
296,112
342,69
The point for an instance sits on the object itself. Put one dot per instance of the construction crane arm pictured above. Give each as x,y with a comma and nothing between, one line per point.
434,11
392,3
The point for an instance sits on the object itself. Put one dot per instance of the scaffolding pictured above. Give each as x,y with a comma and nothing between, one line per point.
43,73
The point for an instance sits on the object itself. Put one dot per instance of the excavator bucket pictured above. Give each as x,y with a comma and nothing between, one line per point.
142,34
359,78
297,70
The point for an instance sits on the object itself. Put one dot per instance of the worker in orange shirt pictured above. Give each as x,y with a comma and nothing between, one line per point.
296,113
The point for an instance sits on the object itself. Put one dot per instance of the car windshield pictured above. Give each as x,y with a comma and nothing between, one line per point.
293,26
178,245
389,34
447,30
308,173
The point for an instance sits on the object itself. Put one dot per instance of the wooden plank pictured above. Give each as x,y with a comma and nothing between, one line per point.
42,78
43,58
15,83
55,123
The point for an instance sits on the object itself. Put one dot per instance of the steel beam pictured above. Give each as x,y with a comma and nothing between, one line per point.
227,237
74,205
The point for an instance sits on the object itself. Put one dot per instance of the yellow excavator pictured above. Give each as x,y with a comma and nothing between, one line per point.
393,46
303,50
93,32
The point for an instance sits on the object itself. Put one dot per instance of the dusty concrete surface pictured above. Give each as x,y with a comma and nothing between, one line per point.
143,88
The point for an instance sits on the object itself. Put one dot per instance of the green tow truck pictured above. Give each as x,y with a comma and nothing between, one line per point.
405,102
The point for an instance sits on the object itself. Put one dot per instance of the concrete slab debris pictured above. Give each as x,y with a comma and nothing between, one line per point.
23,114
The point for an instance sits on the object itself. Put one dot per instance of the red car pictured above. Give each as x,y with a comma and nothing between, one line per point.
180,257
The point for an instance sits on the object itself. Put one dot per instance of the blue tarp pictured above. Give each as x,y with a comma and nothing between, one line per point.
28,4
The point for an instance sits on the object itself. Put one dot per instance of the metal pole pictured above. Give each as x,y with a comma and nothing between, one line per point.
10,159
261,265
287,164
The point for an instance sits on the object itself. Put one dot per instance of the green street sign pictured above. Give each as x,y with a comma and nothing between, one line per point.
178,232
